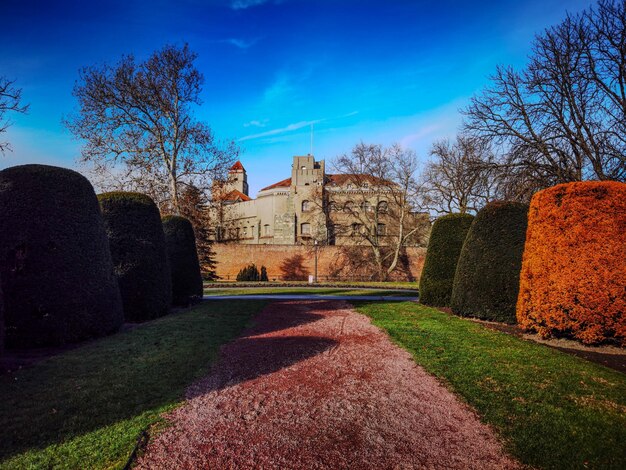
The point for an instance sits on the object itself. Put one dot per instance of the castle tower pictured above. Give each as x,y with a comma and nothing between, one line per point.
305,171
238,178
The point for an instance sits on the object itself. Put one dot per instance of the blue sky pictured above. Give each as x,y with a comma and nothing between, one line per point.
377,71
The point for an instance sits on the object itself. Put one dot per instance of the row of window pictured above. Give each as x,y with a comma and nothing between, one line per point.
355,229
349,206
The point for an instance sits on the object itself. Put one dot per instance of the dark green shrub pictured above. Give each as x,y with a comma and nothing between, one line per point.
444,247
137,242
486,283
264,274
55,264
249,273
183,257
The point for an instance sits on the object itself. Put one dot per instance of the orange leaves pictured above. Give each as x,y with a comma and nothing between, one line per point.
573,279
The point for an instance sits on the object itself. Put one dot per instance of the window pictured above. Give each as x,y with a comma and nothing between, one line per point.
306,206
245,232
266,229
366,206
348,206
383,207
357,229
381,230
237,233
305,229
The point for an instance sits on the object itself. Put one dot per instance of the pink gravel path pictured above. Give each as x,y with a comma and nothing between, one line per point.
314,385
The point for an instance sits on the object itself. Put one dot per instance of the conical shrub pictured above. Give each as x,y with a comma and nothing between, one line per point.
137,242
183,257
444,246
57,277
486,283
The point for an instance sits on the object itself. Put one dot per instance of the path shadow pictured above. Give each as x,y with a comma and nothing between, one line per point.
249,358
285,314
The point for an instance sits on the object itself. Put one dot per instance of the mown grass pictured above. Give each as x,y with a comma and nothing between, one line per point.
552,409
87,407
321,283
307,290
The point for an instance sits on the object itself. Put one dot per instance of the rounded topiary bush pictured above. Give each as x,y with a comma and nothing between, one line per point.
137,242
55,265
442,254
486,283
573,278
183,257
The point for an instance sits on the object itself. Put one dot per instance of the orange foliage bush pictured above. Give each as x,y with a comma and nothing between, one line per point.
573,278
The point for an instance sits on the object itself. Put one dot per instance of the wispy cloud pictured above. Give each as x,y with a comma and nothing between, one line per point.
238,42
245,4
294,127
291,127
256,123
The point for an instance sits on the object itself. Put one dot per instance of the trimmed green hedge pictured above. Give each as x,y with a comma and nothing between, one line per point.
486,283
137,242
55,265
446,240
183,257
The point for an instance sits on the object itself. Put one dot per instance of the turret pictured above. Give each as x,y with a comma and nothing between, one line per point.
238,178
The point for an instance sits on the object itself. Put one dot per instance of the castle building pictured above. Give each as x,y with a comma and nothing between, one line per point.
309,207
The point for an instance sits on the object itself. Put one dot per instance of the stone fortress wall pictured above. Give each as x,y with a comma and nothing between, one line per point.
278,259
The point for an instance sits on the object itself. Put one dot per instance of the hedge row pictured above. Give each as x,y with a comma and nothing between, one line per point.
55,265
137,243
573,279
74,266
486,281
558,267
444,247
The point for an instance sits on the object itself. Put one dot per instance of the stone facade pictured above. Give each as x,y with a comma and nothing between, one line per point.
312,207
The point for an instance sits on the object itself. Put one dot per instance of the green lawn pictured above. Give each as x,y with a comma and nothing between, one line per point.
332,284
307,290
552,409
87,407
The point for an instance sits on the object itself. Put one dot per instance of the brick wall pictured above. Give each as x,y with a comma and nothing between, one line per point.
332,263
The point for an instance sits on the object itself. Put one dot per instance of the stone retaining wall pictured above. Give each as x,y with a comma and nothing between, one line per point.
283,262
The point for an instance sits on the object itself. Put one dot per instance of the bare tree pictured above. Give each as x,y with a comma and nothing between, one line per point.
562,118
137,121
10,100
379,211
460,177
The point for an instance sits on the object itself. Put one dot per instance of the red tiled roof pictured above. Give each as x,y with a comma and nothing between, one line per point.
235,195
356,179
237,166
281,184
336,179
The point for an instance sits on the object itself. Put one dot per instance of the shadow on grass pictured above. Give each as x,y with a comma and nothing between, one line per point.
113,379
86,407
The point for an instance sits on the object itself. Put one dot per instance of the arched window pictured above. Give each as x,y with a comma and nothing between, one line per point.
306,206
305,229
383,207
381,230
348,206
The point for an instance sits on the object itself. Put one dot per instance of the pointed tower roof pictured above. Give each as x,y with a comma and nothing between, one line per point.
237,167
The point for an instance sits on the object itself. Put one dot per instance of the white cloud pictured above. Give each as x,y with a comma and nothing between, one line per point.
245,4
256,123
240,43
294,127
291,127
